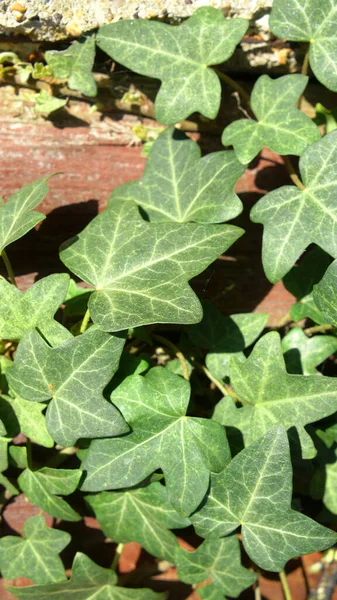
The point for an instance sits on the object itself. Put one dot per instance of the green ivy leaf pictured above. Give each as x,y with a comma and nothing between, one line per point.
272,533
75,64
225,336
18,456
30,420
88,582
36,555
45,103
280,126
155,408
44,486
325,294
23,311
302,354
142,515
310,21
275,396
140,270
179,57
17,216
73,376
179,185
306,216
218,561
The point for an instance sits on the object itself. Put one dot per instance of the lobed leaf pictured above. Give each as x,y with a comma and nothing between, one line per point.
155,408
36,555
73,377
179,57
303,354
140,270
254,491
280,126
30,420
219,563
88,582
325,294
310,21
179,185
24,311
142,515
276,396
295,218
44,486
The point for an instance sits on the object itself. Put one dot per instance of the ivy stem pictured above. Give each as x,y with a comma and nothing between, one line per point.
176,351
85,321
285,586
292,173
318,329
236,86
9,268
257,591
305,64
224,389
29,454
117,556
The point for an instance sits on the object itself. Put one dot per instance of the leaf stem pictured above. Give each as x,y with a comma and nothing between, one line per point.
29,454
85,321
117,556
224,389
9,268
292,173
285,586
236,86
176,351
257,591
305,64
318,329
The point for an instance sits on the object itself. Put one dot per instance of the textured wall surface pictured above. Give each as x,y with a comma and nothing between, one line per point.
60,19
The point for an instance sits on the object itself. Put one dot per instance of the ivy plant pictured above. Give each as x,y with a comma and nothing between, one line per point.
126,398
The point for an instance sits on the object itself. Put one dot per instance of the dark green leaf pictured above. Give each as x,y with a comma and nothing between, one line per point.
142,515
254,491
295,218
179,57
217,561
280,126
140,270
43,488
155,408
73,376
179,185
36,555
88,582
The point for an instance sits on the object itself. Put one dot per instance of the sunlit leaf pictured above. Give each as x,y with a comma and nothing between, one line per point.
275,396
179,57
142,515
43,488
179,185
295,218
280,126
155,408
75,64
325,294
302,354
73,377
255,491
315,22
36,554
140,270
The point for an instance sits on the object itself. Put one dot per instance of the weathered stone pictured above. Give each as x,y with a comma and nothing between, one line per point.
53,20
